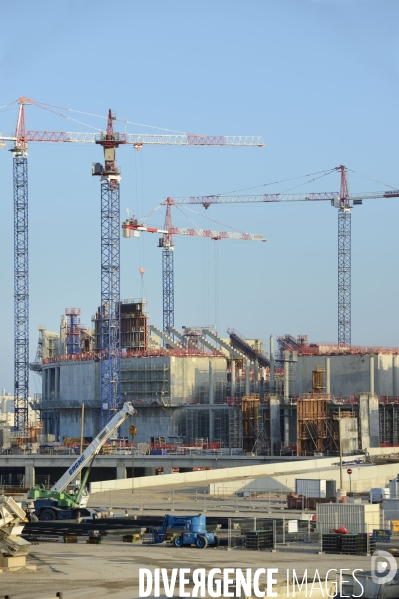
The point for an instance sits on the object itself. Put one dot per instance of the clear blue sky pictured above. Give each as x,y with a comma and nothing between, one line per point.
318,79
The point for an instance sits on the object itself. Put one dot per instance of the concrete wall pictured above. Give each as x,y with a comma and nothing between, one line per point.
349,432
280,475
152,382
350,374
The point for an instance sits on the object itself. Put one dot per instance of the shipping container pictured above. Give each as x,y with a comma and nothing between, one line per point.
394,525
390,508
356,518
310,487
394,489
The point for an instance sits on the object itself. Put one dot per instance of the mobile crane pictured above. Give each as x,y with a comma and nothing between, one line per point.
58,504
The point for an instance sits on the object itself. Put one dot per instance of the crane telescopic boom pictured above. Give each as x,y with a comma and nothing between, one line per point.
89,453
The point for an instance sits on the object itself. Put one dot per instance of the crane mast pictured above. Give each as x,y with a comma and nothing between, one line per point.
168,275
21,272
167,246
110,243
341,200
110,273
344,264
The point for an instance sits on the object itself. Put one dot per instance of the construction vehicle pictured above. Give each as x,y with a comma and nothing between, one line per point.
191,529
60,503
12,518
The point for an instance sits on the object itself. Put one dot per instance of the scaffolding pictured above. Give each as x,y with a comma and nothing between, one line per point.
146,384
253,439
315,431
318,380
133,325
194,424
235,428
253,353
73,329
389,421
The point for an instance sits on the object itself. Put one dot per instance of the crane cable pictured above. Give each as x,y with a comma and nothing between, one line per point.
371,179
322,173
100,116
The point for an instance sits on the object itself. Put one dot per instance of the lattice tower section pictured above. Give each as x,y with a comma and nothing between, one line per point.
21,290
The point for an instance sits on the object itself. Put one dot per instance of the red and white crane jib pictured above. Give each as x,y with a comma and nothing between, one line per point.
333,197
135,226
217,235
138,140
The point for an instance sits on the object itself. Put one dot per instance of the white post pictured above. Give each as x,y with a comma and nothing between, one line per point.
328,375
372,374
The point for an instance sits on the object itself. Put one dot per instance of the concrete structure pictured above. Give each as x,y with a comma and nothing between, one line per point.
275,475
156,386
191,393
350,374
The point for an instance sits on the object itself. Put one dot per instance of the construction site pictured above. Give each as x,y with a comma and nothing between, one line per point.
202,390
192,386
200,362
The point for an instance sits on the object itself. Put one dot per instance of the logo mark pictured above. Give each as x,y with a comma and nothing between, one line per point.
383,567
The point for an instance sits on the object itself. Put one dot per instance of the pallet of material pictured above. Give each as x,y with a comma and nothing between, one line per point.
94,540
130,538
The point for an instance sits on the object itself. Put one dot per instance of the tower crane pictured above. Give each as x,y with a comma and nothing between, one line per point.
344,202
167,246
110,242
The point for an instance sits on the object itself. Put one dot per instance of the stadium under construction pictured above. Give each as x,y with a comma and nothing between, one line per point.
192,387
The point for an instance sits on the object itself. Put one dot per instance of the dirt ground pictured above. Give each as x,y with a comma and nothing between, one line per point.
84,571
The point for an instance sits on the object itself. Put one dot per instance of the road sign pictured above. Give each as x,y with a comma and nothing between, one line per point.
349,471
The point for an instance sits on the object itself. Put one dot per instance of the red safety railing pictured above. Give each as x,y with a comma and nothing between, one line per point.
133,353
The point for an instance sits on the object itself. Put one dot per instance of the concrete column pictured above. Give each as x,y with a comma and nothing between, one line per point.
328,375
149,471
286,398
286,376
44,383
29,473
211,402
211,395
48,384
247,377
372,374
57,383
275,429
286,427
271,384
395,375
233,378
167,470
120,470
256,376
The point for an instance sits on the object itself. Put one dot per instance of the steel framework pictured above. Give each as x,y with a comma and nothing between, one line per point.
72,331
110,299
344,264
21,272
168,276
110,274
21,290
344,202
109,237
344,277
166,243
138,140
